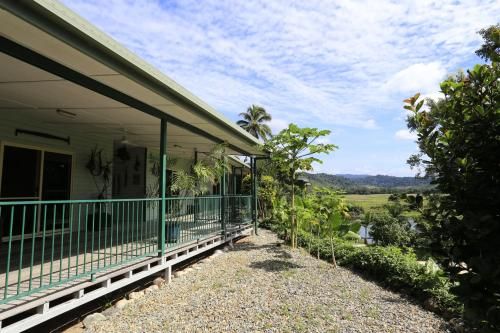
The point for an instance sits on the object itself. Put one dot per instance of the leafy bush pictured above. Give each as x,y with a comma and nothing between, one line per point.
458,138
394,268
388,230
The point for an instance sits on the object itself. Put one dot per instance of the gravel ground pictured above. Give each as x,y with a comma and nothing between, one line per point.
261,287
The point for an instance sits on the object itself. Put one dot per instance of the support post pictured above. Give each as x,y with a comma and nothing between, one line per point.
233,180
223,202
253,169
195,199
163,187
167,274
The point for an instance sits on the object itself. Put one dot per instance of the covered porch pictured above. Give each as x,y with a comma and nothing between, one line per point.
91,138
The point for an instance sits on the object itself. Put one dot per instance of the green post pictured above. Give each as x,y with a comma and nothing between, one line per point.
233,179
163,186
223,201
253,169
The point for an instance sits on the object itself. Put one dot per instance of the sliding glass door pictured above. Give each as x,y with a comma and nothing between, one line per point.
28,175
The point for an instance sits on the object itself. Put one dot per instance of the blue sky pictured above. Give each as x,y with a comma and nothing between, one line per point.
339,65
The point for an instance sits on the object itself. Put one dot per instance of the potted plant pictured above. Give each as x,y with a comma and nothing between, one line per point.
196,182
100,171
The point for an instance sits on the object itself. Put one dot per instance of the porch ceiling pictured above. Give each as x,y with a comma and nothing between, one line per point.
54,32
27,92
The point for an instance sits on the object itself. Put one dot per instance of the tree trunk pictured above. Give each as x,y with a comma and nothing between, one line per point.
293,224
310,237
334,262
318,234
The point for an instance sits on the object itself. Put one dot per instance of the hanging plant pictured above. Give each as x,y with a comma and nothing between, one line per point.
99,169
122,153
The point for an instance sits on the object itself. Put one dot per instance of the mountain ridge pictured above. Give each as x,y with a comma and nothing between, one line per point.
352,183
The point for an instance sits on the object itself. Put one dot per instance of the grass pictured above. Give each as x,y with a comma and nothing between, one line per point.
367,201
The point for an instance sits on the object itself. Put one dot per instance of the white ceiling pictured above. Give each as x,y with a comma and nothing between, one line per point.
24,87
27,92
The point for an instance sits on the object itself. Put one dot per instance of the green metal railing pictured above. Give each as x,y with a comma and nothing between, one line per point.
48,243
191,218
238,210
53,242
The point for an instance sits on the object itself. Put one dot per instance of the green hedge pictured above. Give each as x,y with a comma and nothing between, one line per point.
393,268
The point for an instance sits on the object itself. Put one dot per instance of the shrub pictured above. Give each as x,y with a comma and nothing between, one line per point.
394,268
389,230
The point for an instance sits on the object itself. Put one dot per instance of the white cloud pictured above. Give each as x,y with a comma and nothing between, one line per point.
278,124
405,134
317,63
314,61
424,78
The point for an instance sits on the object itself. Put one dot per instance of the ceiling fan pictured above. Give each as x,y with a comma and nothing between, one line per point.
122,152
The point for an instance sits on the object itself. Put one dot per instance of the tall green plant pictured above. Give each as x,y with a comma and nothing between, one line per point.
292,150
333,214
459,141
203,173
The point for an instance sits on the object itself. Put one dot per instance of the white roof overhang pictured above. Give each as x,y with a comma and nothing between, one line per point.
53,59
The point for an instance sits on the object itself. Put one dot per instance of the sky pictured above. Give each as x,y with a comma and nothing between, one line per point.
340,65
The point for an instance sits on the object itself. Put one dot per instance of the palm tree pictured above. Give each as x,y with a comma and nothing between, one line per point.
253,122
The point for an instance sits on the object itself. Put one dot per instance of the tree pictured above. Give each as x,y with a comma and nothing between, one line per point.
459,142
490,50
333,215
293,150
389,230
254,122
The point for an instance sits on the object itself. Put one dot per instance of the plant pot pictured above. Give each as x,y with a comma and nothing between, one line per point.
173,232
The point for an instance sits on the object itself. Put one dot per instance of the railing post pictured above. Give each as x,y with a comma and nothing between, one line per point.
223,202
163,187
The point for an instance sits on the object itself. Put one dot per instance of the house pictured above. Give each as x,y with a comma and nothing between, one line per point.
90,139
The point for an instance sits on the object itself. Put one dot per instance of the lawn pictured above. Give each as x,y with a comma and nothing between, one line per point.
367,201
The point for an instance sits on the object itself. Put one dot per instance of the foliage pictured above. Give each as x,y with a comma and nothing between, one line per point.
401,271
387,229
365,184
293,150
331,212
99,169
490,50
459,141
203,173
394,268
254,122
268,190
153,188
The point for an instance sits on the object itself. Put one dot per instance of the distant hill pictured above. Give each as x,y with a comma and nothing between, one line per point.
370,184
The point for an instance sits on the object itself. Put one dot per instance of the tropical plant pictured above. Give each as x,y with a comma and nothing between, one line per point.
203,173
280,213
293,150
333,214
254,122
153,188
459,142
268,190
306,215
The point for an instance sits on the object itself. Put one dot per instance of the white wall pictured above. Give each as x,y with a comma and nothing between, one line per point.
82,185
81,144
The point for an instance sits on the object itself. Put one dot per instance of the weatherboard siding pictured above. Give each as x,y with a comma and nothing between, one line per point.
82,184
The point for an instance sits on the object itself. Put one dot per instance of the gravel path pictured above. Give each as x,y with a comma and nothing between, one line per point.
261,287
